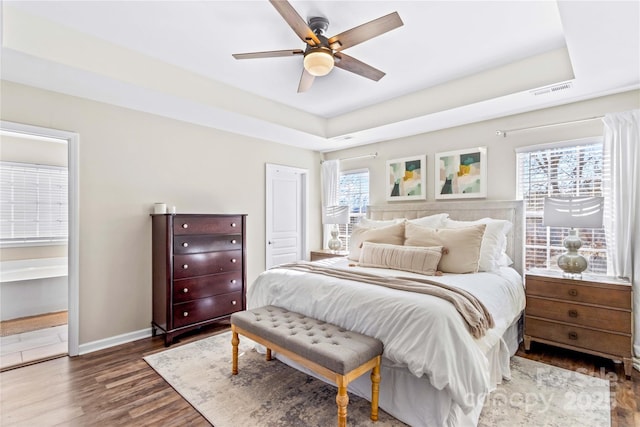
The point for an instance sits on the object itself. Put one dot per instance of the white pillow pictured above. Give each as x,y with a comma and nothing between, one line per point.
375,223
415,259
392,234
431,221
494,241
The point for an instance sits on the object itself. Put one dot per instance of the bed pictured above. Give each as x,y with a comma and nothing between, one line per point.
435,372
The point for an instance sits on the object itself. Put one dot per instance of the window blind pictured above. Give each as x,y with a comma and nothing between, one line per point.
34,204
353,192
575,170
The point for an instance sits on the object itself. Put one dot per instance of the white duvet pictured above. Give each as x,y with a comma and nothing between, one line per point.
420,332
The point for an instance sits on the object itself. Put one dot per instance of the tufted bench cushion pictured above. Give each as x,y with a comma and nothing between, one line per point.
328,345
328,350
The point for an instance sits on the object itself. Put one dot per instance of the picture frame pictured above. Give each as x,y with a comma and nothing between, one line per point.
407,178
461,174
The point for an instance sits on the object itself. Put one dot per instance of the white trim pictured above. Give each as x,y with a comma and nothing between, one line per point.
560,144
73,146
92,346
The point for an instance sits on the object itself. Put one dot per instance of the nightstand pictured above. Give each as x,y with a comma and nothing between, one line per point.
327,253
592,315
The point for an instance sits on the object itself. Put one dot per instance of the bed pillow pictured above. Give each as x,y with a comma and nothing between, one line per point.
392,234
433,221
494,241
462,245
416,259
375,223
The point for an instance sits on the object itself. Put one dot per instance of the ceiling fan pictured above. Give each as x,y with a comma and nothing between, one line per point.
322,53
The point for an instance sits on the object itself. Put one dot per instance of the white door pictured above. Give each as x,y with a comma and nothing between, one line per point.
286,200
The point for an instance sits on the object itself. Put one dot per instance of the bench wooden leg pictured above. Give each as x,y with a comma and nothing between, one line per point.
268,356
234,352
375,390
342,399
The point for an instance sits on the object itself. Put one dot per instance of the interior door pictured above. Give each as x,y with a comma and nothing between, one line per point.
285,214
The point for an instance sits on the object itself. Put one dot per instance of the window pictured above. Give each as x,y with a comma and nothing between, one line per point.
353,191
560,170
34,204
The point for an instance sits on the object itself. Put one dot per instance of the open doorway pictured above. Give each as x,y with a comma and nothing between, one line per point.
39,246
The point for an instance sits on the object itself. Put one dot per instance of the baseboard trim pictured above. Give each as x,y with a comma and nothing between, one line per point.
113,341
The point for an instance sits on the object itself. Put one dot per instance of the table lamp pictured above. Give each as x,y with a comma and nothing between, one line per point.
335,215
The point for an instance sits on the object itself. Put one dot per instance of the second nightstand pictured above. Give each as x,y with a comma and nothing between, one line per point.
327,253
592,315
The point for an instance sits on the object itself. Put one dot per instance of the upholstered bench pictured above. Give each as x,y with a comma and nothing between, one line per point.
328,350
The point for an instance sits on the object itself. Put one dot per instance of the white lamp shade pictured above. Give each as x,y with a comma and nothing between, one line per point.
335,215
575,212
318,62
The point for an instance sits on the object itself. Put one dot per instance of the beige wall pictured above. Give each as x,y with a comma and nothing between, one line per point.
128,161
501,156
25,150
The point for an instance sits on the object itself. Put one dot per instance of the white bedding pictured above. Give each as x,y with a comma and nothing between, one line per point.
420,332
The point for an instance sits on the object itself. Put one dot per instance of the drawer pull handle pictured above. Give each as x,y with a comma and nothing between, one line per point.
233,281
185,245
573,292
233,224
573,335
233,242
233,260
185,290
185,314
185,225
233,302
573,313
185,266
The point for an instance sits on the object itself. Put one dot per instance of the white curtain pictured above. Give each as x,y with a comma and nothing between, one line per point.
622,165
330,189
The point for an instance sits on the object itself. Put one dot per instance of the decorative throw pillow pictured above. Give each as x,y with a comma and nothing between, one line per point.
494,241
463,245
431,221
415,259
392,234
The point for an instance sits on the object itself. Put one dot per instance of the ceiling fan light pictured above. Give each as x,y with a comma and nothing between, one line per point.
318,62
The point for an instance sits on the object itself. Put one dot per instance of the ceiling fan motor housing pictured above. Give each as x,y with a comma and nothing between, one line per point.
319,59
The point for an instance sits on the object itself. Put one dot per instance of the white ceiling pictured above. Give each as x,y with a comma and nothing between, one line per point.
453,62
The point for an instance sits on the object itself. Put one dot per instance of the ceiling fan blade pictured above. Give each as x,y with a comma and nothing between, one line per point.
296,22
306,80
350,63
365,32
268,54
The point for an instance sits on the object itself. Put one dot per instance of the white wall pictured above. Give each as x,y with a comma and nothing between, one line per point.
128,161
501,156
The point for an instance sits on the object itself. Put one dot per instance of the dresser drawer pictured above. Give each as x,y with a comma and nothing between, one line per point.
206,308
184,224
578,292
604,342
206,286
195,243
582,315
206,263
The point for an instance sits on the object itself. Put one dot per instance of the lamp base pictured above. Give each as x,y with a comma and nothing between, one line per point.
334,243
571,262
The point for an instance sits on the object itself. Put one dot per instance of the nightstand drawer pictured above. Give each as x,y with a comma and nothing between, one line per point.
577,291
582,315
604,342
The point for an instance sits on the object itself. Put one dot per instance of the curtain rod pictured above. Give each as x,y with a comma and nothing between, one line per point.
505,132
365,156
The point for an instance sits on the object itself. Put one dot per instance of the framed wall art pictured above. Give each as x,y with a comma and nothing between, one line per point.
407,178
461,174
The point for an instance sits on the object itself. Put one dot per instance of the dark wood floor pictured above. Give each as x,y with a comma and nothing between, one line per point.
116,387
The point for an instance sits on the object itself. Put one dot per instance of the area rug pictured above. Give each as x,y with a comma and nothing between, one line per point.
277,395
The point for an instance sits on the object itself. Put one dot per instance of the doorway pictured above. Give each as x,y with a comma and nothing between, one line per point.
48,266
286,214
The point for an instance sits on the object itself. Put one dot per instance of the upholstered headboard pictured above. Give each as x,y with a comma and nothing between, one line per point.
512,210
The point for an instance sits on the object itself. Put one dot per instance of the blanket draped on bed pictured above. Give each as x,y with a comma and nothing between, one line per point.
475,314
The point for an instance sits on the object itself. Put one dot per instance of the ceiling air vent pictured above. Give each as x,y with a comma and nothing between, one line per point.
551,89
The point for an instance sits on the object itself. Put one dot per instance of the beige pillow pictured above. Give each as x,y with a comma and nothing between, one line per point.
414,259
494,241
392,234
463,245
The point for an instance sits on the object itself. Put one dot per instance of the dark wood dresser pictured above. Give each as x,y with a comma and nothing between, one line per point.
199,270
592,315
